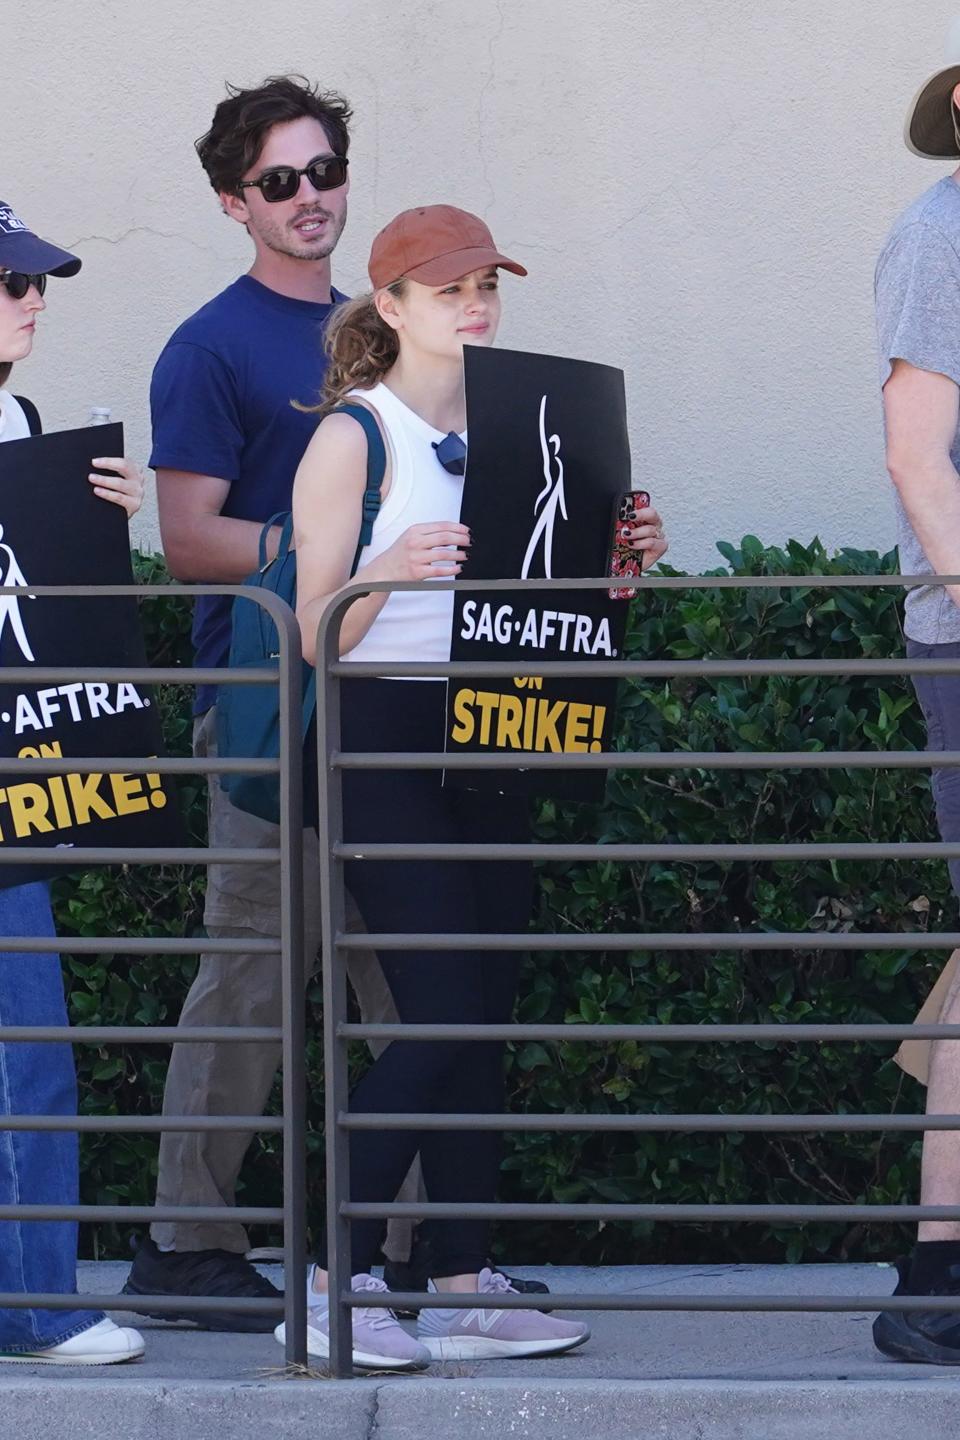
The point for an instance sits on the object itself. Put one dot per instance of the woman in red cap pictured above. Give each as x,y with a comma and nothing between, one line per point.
40,1167
399,351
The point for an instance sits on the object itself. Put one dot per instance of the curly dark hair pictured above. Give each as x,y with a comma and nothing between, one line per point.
5,373
241,123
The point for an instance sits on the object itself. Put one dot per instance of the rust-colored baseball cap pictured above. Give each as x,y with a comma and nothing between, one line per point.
434,244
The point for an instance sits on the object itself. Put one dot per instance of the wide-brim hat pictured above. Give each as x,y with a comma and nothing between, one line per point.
929,131
21,250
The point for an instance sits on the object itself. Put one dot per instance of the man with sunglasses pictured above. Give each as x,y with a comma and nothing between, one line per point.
227,440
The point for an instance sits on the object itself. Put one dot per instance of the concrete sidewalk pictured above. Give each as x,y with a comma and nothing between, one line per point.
708,1377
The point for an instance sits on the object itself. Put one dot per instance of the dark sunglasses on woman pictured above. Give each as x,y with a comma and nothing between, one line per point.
17,284
326,172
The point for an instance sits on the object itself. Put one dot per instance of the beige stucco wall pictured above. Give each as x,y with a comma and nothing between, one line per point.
699,190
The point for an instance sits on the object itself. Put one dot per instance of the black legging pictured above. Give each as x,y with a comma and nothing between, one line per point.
430,986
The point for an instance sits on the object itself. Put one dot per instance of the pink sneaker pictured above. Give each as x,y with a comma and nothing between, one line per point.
489,1334
379,1340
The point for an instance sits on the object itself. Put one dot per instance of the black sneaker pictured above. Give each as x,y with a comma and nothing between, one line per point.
921,1337
201,1272
414,1273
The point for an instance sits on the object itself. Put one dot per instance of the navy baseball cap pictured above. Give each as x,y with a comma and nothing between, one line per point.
21,250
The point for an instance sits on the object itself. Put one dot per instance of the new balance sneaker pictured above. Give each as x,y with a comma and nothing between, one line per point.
201,1272
100,1344
379,1340
921,1337
491,1334
414,1274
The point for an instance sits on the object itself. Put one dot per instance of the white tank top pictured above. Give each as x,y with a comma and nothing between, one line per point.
414,625
13,422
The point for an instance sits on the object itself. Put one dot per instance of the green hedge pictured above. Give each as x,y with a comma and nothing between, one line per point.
680,987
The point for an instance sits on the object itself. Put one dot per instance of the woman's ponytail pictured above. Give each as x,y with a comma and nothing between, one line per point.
361,347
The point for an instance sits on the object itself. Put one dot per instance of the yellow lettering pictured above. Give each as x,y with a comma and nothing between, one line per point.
128,796
577,731
548,719
529,719
28,809
87,802
509,719
46,752
58,794
487,700
463,729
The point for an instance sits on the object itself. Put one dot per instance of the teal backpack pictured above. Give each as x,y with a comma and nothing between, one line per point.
248,716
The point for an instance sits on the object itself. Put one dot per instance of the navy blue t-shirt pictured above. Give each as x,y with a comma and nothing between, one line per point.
220,402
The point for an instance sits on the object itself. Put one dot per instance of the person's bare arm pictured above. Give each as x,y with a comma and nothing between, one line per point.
327,505
199,543
922,410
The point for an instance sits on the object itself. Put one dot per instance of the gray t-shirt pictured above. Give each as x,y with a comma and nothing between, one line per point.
917,289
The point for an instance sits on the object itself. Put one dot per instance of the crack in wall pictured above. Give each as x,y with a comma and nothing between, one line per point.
145,230
485,88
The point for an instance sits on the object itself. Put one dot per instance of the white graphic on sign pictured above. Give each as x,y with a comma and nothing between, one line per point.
551,497
10,604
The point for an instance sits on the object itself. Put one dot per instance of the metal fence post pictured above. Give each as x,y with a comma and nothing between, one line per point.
336,1081
293,978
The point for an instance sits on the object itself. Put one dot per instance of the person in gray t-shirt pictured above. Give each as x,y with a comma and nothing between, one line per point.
918,328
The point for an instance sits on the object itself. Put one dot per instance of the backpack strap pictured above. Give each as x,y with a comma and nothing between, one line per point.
32,414
286,535
376,469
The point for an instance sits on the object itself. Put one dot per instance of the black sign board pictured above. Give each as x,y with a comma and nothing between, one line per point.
548,456
55,531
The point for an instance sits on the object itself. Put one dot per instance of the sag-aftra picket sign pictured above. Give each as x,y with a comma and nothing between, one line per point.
548,457
55,531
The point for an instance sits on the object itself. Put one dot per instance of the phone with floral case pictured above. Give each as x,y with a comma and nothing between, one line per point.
624,562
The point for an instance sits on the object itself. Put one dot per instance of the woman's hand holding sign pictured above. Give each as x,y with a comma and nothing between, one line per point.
434,550
646,535
124,487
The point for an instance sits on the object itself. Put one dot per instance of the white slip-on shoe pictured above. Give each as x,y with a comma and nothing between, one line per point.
379,1340
496,1334
100,1344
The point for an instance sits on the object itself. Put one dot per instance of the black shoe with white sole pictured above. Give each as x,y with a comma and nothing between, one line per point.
201,1272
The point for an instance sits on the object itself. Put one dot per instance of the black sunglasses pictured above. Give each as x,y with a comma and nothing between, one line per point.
17,283
327,172
452,453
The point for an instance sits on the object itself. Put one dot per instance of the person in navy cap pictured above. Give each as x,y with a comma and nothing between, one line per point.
41,1168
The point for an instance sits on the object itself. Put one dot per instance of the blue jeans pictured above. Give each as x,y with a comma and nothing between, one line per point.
36,1167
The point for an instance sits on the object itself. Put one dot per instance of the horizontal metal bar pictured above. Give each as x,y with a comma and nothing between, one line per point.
722,1124
142,1124
143,1214
649,1034
694,1214
77,855
39,675
141,1034
126,765
202,1304
137,945
807,940
648,760
652,581
838,850
638,669
624,1300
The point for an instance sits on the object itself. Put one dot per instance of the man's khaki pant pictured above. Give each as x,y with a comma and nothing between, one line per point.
242,989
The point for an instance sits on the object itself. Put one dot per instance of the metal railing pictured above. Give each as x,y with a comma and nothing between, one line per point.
286,950
338,1032
332,761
